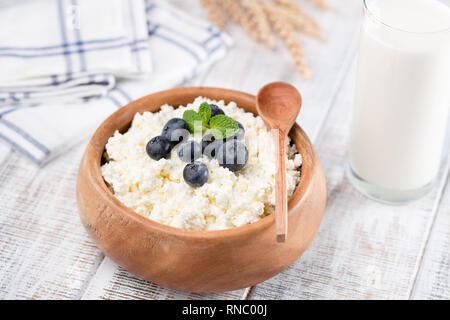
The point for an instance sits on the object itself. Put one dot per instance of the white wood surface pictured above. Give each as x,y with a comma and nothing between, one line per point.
433,281
45,252
364,250
113,282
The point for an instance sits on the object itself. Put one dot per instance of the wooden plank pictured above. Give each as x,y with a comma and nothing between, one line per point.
433,280
112,282
364,249
45,252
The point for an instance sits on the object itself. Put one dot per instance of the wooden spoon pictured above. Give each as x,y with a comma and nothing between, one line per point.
278,103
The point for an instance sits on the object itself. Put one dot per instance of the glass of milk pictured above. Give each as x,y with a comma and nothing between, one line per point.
402,98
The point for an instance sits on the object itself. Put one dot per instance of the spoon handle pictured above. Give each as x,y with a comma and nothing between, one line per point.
281,210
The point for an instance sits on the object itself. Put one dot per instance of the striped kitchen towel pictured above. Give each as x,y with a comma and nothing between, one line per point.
67,64
63,50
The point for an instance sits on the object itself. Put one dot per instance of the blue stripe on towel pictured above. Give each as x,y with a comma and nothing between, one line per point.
79,42
20,149
212,37
133,46
176,43
14,107
59,46
115,101
13,97
54,79
201,45
210,52
150,6
184,36
151,31
126,95
26,136
25,56
62,24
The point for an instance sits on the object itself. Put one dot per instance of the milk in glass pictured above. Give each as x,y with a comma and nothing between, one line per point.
402,98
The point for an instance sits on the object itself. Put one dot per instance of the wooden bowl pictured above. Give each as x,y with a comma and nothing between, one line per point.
189,260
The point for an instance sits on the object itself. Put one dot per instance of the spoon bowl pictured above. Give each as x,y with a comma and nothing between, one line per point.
278,104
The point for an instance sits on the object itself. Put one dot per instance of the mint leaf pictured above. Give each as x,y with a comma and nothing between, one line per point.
205,112
223,127
193,120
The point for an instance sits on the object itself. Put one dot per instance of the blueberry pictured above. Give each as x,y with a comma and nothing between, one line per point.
240,133
210,145
176,130
207,140
158,147
233,155
189,151
195,174
215,110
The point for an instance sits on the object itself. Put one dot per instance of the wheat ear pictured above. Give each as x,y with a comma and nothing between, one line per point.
258,19
318,3
284,2
234,10
215,14
286,32
300,22
322,5
301,14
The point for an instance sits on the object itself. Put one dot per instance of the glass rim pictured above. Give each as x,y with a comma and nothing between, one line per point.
378,20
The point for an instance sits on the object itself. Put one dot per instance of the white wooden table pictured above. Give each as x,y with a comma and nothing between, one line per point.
364,250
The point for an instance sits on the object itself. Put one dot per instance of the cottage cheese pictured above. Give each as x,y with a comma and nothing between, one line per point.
157,190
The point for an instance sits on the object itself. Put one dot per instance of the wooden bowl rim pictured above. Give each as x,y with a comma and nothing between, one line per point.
94,154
